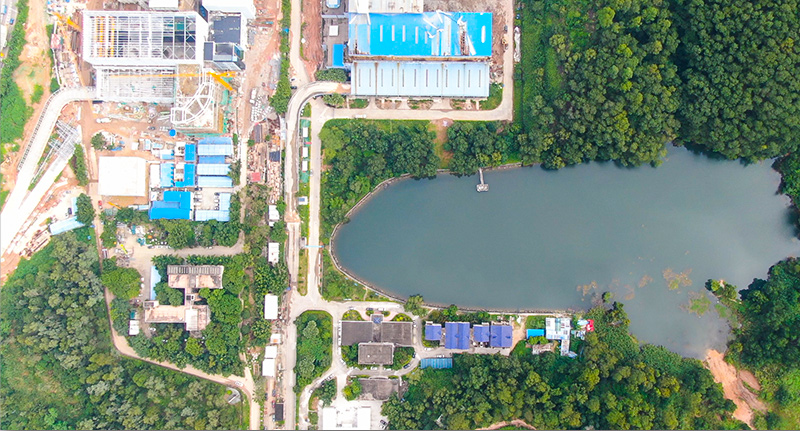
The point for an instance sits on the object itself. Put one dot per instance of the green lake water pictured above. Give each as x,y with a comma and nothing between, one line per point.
557,239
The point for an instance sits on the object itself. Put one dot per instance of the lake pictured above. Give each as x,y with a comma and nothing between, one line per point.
555,239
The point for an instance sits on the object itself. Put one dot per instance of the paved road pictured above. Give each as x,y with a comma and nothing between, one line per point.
20,203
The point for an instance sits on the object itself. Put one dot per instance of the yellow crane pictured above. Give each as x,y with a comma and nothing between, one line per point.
216,75
68,21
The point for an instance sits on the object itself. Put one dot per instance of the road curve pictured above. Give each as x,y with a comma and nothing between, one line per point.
16,213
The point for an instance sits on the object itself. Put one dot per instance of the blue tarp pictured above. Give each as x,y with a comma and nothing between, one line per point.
167,174
535,333
338,55
210,159
65,225
214,181
155,278
501,336
480,333
188,176
456,335
436,363
428,34
433,332
176,205
191,152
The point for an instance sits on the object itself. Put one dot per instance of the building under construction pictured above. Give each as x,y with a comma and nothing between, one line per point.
156,57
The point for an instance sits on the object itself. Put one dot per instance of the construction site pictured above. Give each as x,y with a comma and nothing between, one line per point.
158,80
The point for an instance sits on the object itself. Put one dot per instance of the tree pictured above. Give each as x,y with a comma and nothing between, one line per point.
122,282
167,295
98,141
414,304
334,99
193,347
180,233
85,213
335,75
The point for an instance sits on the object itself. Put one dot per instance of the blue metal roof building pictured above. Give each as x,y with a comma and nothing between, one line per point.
501,336
214,181
215,146
213,169
188,176
480,333
191,153
176,205
427,34
210,159
433,332
65,225
167,175
456,335
420,79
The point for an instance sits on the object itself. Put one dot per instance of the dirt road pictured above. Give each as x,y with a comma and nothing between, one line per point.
733,386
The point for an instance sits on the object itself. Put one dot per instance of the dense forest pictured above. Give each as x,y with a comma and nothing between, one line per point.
59,370
362,154
766,340
613,384
598,82
613,80
739,63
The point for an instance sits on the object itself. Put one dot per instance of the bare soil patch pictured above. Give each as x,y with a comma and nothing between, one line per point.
733,387
312,33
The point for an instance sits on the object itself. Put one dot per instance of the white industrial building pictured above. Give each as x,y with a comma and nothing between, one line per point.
273,252
122,176
351,419
244,7
270,307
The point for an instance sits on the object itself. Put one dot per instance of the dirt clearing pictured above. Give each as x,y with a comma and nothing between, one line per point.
733,386
312,33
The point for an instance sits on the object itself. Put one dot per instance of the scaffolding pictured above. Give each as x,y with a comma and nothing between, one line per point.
143,38
198,110
61,145
136,84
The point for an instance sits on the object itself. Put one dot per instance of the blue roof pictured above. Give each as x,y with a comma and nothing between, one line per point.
214,181
191,152
501,336
167,174
224,201
338,55
535,333
65,225
188,176
456,335
480,333
420,78
215,146
205,215
436,363
213,169
176,205
428,34
433,332
210,159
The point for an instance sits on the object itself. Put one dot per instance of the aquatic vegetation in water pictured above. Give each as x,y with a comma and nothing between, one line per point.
699,303
586,288
675,280
645,280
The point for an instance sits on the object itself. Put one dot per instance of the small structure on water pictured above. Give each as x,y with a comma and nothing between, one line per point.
482,187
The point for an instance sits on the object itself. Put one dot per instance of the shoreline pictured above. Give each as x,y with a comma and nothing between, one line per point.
432,305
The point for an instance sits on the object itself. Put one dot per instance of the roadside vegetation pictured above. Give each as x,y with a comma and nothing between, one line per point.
314,340
15,111
60,370
335,75
614,384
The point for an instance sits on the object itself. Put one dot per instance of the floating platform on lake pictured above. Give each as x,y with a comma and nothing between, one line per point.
482,187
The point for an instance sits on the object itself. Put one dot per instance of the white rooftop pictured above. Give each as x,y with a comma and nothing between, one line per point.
270,307
271,352
350,419
122,176
273,252
268,367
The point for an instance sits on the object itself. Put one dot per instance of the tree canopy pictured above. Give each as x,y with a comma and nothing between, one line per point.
85,213
59,369
122,282
739,64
